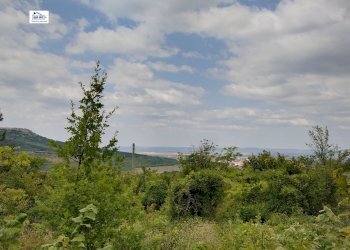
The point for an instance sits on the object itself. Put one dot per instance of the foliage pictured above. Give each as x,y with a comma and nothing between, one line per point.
145,161
284,197
295,166
323,151
201,158
155,194
288,189
87,126
13,200
197,194
104,189
263,161
11,160
27,140
229,155
77,239
318,189
19,180
275,202
207,157
10,231
31,142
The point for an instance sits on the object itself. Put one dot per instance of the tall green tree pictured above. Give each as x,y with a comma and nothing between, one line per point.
87,125
319,144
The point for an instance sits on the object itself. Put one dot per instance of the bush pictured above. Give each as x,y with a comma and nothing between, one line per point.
156,194
10,232
292,167
13,201
79,237
283,197
253,199
318,188
198,194
65,195
202,158
263,161
306,192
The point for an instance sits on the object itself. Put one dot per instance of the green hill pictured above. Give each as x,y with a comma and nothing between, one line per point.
31,142
26,140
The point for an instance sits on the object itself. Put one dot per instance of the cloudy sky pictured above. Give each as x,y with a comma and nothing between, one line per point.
256,73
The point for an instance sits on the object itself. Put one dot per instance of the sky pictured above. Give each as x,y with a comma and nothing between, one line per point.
249,73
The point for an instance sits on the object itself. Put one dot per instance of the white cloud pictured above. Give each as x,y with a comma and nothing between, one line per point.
139,42
141,10
35,86
136,84
193,54
256,116
160,66
296,56
153,21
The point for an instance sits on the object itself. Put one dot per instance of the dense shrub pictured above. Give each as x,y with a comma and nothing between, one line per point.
306,192
205,157
20,180
155,194
283,197
262,161
292,167
13,201
252,202
197,194
104,188
253,194
10,231
318,188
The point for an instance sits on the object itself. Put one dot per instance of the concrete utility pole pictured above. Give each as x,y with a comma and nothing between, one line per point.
133,156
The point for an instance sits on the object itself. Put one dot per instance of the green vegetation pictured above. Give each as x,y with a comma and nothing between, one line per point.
87,126
272,203
31,142
26,140
146,161
291,205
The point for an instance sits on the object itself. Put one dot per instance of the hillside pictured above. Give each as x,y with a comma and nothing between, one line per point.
29,141
26,140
